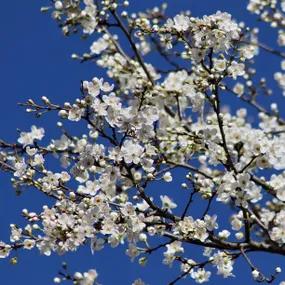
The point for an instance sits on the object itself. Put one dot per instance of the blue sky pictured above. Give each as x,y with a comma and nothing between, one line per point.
34,62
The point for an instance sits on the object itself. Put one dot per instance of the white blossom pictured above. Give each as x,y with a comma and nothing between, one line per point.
28,138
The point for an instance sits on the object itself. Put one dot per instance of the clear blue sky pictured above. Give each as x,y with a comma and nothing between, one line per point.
34,62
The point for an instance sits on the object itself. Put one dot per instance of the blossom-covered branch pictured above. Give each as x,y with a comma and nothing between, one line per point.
144,124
